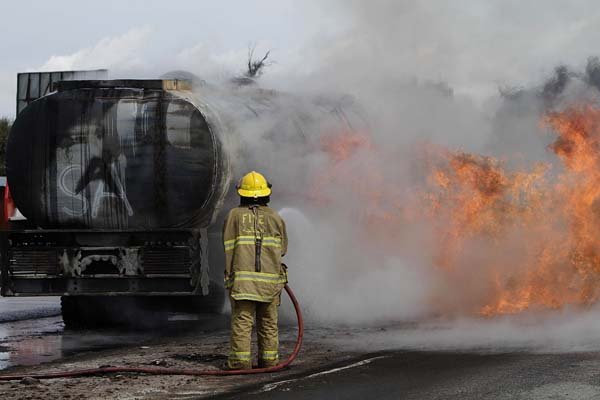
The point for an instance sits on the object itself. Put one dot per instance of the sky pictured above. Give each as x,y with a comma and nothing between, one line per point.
474,46
145,37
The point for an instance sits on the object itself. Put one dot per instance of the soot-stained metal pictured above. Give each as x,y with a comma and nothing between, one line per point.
33,85
124,183
113,158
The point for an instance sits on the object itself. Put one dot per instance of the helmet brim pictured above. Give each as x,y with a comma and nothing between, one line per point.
254,193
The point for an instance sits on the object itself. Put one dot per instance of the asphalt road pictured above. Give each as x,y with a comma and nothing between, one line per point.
22,308
32,332
30,335
444,375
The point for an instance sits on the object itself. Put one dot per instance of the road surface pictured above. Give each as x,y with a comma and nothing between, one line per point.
336,362
32,332
21,308
443,375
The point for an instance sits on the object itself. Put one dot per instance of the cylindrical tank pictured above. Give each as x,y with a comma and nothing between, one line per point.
115,155
153,154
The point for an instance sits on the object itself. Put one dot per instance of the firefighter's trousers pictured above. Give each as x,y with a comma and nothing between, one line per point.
243,314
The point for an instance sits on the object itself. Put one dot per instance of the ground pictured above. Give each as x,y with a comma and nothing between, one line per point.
446,375
192,349
321,373
551,358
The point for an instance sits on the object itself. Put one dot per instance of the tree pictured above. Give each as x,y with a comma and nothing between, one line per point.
5,124
256,66
254,70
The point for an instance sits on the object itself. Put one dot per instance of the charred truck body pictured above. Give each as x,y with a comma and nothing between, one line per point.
122,184
119,181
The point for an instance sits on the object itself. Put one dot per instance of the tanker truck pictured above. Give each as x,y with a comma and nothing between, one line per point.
123,185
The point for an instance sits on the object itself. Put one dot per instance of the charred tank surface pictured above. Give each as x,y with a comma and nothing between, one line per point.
115,155
124,185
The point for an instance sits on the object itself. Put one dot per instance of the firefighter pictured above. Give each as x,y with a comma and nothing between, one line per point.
255,239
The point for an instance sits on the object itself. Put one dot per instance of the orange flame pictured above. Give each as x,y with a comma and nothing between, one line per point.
529,239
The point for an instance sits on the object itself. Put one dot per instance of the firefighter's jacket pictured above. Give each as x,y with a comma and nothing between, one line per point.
255,239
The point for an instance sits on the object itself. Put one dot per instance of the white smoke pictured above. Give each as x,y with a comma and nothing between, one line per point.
473,46
123,52
422,71
130,55
555,332
206,61
350,287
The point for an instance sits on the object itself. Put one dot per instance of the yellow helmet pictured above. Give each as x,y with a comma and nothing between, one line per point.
254,185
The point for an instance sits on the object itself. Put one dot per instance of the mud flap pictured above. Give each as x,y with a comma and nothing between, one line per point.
200,265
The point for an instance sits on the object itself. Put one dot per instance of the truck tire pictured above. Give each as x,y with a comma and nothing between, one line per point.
95,312
69,308
212,303
83,312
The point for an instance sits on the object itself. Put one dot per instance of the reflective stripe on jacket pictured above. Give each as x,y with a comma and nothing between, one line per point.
255,239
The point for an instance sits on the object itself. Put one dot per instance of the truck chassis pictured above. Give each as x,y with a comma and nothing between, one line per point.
100,273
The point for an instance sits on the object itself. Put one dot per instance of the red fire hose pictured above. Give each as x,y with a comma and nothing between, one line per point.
173,371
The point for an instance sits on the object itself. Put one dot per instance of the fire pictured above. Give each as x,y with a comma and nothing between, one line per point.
504,241
344,145
356,176
557,216
472,201
342,149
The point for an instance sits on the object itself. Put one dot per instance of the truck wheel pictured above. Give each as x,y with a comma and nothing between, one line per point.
212,303
85,312
68,311
73,312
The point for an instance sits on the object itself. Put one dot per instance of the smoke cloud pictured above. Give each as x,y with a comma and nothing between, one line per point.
440,87
407,89
120,52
